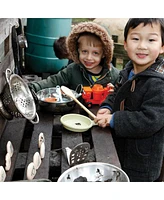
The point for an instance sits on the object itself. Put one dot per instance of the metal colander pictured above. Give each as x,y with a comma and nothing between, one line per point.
17,98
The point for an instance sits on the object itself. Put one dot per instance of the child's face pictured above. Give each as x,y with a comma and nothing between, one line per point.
143,45
90,55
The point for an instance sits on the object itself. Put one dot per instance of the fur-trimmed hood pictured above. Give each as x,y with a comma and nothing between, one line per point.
92,27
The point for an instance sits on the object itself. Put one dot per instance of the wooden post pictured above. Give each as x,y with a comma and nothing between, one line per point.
119,52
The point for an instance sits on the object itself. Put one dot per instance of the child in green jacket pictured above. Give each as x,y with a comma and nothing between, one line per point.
91,48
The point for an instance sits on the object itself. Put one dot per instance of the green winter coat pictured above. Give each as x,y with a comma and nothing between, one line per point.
74,75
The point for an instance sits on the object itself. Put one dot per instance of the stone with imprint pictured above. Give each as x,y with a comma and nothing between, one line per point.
41,139
2,174
31,171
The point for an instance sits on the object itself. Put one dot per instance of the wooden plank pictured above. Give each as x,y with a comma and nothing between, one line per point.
119,51
104,146
6,54
6,26
45,125
7,62
21,160
2,125
13,132
2,53
69,139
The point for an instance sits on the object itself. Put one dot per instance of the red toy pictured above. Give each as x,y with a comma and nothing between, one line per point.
95,95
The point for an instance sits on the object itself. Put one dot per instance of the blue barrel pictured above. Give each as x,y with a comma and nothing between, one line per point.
41,34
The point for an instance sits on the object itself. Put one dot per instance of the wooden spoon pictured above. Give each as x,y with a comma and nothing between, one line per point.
69,93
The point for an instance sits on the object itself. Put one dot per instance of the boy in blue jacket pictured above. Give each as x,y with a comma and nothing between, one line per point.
135,110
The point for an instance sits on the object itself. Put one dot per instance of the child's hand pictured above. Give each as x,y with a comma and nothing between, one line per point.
111,87
103,117
103,111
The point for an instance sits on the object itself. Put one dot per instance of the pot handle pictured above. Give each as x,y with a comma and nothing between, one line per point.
8,73
79,89
93,123
35,120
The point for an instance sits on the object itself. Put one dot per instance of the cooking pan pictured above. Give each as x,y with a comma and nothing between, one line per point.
76,122
52,100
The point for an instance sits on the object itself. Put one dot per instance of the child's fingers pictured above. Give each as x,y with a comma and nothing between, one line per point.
103,111
110,85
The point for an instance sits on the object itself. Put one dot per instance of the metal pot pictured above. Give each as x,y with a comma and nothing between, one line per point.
52,100
17,98
94,172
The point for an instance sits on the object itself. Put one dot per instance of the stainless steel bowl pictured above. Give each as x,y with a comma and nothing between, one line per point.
94,172
60,104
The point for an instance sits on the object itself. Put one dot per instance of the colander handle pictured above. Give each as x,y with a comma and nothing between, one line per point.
8,73
35,120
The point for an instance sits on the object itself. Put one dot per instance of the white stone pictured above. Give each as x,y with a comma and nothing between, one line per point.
42,150
10,148
8,162
41,139
31,171
37,160
2,174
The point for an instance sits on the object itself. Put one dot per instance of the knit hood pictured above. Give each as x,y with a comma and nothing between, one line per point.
91,27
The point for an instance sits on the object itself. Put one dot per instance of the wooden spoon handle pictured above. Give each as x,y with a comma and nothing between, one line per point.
69,93
82,106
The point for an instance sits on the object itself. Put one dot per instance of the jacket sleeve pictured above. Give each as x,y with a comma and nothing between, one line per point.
114,74
61,78
109,101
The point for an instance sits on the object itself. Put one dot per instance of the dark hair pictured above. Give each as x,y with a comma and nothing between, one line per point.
59,47
134,22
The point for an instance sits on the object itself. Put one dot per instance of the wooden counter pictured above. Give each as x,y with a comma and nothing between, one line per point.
24,137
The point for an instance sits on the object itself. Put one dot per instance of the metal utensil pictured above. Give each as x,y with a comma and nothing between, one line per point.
76,155
79,153
58,90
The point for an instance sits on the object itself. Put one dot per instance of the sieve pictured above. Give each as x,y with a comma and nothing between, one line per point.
17,98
